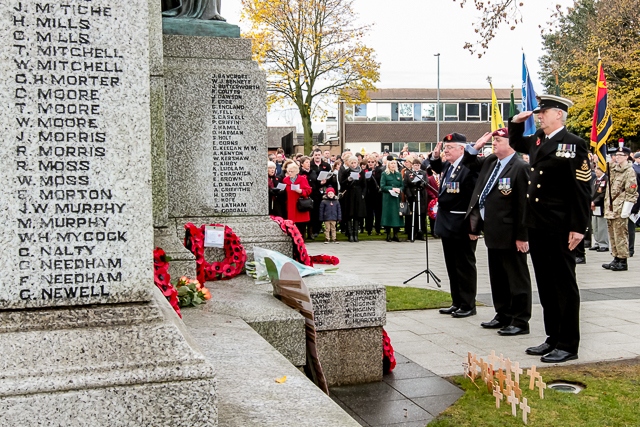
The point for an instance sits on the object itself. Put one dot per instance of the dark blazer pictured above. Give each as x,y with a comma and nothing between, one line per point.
503,209
559,193
452,207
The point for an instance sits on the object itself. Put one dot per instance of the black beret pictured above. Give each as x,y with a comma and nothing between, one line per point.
455,137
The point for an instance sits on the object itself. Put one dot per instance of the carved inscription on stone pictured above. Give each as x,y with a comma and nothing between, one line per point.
338,309
233,172
360,306
75,151
321,307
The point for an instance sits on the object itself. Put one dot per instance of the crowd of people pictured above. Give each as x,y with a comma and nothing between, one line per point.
369,193
540,195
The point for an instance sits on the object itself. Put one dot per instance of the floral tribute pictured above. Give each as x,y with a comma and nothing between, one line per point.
300,253
235,254
191,292
431,209
388,355
162,279
325,259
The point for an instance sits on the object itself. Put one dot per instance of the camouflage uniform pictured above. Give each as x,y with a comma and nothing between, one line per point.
622,188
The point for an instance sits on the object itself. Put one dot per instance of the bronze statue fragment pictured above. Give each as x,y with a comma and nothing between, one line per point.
192,9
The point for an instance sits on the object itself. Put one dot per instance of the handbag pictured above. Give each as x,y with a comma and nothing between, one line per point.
304,204
404,209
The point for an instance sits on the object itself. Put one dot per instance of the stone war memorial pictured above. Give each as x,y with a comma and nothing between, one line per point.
122,124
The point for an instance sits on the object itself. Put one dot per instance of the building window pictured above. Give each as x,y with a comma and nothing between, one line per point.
348,112
450,112
360,112
484,111
372,112
506,110
405,112
428,112
384,112
473,112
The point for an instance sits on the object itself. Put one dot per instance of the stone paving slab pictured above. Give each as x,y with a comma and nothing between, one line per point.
610,310
409,396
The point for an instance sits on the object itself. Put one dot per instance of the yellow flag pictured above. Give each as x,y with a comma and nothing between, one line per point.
496,117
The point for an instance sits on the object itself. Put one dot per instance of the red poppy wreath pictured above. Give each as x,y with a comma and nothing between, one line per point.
162,279
235,254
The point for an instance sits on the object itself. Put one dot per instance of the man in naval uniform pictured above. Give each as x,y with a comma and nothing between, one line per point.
557,214
456,187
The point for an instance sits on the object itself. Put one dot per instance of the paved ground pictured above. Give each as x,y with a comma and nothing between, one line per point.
410,396
609,316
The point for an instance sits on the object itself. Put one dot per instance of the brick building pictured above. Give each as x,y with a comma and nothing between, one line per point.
395,117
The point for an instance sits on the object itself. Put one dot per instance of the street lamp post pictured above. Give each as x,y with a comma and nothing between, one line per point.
438,102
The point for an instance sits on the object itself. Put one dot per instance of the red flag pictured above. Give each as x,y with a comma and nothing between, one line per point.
602,123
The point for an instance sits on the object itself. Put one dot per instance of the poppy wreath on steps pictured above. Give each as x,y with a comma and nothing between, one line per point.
300,253
162,279
234,252
388,354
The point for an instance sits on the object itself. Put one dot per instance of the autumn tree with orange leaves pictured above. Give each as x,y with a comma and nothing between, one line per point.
311,50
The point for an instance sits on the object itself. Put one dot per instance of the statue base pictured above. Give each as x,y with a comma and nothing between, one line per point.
198,27
103,365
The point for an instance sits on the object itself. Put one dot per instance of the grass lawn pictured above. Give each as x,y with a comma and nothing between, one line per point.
400,298
611,398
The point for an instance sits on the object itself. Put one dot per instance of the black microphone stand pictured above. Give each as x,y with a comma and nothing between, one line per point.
427,270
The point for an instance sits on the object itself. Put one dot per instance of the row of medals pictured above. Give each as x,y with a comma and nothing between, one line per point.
566,150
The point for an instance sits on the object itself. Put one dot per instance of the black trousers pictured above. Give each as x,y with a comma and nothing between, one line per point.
374,213
555,269
460,259
316,224
510,286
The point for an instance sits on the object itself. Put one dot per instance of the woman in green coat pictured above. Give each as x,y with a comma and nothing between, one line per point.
391,181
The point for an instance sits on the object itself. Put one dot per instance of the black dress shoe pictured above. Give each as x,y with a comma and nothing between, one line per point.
594,248
463,313
602,249
448,310
540,350
581,260
511,330
558,356
494,324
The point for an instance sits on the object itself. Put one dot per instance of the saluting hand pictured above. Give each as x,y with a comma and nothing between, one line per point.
436,151
521,117
482,141
574,239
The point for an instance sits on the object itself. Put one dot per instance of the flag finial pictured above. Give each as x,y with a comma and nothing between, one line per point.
489,79
599,58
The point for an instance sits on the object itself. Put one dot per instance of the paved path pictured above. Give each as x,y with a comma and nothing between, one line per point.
609,315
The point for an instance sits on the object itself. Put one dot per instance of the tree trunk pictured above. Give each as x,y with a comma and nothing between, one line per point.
308,132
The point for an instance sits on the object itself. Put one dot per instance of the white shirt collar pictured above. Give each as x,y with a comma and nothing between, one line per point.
552,134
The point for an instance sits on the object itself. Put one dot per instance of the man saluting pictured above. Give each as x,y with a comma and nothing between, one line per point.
557,214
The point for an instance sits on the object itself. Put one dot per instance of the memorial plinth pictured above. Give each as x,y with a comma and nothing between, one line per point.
216,139
349,313
85,337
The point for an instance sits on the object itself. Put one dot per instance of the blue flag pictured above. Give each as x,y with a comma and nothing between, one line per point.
529,101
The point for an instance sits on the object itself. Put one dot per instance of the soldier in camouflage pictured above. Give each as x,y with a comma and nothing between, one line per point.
621,195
